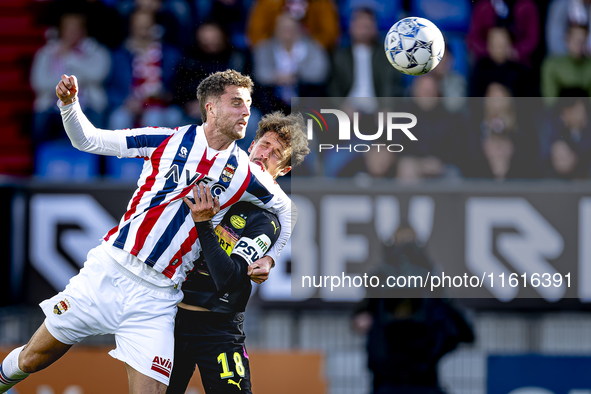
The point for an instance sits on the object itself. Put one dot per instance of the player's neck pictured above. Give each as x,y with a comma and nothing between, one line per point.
215,139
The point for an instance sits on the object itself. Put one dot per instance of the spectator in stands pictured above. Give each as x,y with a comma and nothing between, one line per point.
409,331
371,164
72,53
211,52
173,18
290,63
562,14
231,16
141,79
451,84
498,66
436,151
565,146
568,71
319,18
520,17
96,12
498,148
361,69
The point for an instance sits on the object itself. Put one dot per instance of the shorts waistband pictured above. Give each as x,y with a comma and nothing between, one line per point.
134,278
212,316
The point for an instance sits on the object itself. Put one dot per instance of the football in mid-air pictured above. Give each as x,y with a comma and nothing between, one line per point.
414,46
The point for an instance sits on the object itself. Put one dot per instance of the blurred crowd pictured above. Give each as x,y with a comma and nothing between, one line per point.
139,62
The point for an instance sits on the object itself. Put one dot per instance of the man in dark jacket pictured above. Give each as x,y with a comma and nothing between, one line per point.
361,69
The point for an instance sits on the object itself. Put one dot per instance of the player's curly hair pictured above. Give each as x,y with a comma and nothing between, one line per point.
214,85
291,132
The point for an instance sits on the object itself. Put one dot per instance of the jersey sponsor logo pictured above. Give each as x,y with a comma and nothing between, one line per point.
228,173
162,365
227,238
217,190
61,307
274,226
189,179
263,241
237,221
230,381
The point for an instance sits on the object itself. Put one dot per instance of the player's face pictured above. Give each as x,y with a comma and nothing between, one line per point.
232,112
270,153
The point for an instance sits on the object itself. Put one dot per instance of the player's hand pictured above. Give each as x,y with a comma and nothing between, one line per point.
259,270
67,89
205,206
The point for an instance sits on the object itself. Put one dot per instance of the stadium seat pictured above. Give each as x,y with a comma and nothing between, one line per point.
124,170
448,15
13,78
456,42
19,26
60,161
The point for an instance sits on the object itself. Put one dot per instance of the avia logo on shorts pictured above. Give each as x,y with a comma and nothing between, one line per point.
61,307
162,366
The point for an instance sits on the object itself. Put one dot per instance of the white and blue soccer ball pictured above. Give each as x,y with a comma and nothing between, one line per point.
414,46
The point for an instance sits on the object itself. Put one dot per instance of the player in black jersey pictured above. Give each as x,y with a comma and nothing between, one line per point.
208,327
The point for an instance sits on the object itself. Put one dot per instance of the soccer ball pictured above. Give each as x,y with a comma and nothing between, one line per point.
414,46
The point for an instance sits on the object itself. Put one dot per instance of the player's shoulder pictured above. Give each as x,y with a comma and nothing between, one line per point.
251,221
261,178
250,212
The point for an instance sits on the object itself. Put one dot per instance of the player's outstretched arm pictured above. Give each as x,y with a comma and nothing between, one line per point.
83,135
87,138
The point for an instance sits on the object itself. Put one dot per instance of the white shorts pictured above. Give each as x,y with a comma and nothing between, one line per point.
105,298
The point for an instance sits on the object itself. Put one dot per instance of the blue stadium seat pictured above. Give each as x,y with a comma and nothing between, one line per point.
60,161
456,42
448,15
124,170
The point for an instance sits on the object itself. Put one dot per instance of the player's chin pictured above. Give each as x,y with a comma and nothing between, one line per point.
240,131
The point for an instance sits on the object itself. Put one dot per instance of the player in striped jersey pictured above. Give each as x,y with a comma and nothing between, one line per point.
130,283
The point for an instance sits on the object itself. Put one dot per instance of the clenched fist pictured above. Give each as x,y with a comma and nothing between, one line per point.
67,89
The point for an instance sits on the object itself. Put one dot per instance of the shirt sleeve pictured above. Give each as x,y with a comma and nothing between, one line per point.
122,143
265,193
228,270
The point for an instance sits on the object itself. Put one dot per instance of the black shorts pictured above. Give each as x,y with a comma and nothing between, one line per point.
215,343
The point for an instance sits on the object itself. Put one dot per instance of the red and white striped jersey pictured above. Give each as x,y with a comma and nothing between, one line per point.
158,228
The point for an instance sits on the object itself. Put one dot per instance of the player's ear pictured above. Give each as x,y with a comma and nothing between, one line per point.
209,108
285,171
250,147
